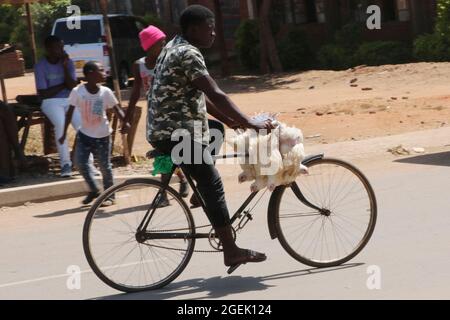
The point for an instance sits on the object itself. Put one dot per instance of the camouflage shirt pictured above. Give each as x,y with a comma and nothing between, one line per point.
174,103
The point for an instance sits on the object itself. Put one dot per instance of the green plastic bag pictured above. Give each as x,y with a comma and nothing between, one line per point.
162,165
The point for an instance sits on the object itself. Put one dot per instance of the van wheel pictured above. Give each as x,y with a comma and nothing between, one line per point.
123,76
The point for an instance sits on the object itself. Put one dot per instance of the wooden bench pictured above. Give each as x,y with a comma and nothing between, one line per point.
30,114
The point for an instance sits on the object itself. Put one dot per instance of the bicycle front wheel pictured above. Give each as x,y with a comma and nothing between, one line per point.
341,224
116,253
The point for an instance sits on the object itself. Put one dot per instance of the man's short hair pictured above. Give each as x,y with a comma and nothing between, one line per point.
50,40
194,15
90,66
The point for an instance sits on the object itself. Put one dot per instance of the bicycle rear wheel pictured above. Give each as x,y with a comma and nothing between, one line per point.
111,243
343,223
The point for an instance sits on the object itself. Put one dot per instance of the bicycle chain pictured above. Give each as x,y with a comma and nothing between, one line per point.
177,249
239,227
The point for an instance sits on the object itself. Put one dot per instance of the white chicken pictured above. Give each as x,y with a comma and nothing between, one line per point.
274,159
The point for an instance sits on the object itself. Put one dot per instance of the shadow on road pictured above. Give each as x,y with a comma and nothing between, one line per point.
256,83
63,212
435,159
219,287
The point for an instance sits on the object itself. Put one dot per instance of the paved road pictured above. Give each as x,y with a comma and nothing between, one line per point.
410,247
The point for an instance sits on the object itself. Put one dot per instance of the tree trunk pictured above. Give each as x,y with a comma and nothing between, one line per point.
263,58
221,39
419,18
94,6
268,46
167,13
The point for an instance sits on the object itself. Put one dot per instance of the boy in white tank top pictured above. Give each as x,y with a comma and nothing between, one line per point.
152,41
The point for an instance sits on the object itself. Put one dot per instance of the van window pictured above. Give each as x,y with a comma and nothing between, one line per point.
90,32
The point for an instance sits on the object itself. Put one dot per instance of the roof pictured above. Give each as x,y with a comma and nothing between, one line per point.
94,17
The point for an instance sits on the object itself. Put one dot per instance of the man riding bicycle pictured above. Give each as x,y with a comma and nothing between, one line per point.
178,101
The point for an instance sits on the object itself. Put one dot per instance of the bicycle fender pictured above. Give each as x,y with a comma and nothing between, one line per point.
271,216
277,193
312,158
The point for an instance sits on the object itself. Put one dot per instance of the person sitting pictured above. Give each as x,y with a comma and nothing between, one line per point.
55,78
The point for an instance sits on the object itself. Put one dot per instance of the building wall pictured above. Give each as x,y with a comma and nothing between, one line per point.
232,14
422,14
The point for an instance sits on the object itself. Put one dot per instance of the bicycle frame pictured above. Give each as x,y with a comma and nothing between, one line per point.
142,235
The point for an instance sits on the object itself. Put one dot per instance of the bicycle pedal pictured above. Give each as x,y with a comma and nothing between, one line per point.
233,268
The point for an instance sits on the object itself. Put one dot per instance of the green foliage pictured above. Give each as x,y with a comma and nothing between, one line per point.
294,51
19,37
9,16
44,15
382,52
443,20
335,57
431,47
151,19
348,50
339,55
436,46
248,45
15,25
349,36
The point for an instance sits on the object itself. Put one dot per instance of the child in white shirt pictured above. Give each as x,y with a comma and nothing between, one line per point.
94,136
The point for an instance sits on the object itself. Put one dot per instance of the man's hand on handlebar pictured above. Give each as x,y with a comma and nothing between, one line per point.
260,125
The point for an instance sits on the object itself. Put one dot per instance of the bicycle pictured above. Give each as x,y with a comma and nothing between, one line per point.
136,245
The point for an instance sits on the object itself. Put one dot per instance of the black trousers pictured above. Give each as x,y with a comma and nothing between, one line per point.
205,174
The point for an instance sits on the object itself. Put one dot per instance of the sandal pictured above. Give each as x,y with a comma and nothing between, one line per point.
252,256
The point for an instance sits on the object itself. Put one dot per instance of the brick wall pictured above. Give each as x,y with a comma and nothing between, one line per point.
12,64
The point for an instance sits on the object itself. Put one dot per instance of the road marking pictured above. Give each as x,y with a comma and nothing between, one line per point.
65,275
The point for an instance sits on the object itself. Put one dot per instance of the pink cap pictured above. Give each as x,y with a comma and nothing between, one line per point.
149,36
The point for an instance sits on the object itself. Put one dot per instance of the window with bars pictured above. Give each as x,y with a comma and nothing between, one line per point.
391,10
395,10
320,11
358,9
403,10
304,11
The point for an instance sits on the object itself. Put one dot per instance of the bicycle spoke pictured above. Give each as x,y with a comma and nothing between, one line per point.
116,253
343,226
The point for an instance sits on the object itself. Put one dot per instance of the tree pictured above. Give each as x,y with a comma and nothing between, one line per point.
269,59
443,20
221,38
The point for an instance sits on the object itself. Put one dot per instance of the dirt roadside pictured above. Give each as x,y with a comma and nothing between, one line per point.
329,106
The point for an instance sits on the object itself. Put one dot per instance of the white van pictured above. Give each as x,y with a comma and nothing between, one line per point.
89,42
